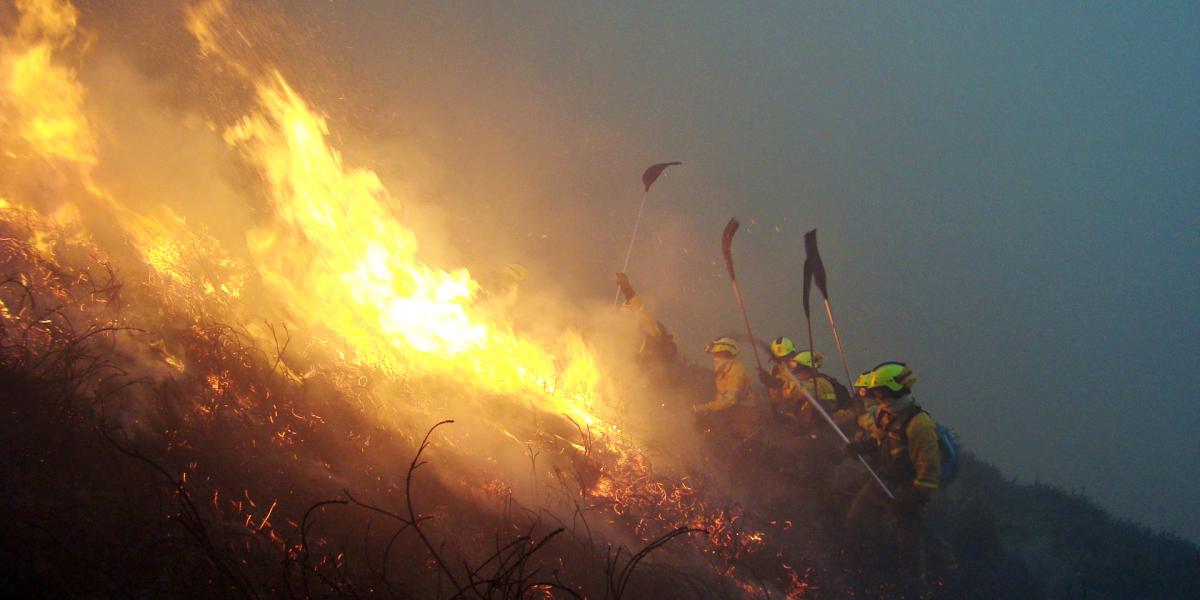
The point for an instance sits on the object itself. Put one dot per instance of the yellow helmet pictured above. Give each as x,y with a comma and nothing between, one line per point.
810,359
782,348
895,376
722,344
785,348
516,272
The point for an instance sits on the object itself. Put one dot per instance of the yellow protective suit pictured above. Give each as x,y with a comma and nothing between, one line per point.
909,452
789,399
911,462
735,399
657,343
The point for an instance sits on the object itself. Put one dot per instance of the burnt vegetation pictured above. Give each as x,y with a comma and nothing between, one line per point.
229,476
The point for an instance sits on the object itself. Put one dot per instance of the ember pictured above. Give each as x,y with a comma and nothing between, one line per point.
294,371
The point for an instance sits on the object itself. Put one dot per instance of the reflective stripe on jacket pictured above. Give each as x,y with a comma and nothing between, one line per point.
787,390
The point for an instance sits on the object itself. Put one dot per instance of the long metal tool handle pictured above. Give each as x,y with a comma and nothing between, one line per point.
727,251
829,419
629,250
837,338
812,352
737,293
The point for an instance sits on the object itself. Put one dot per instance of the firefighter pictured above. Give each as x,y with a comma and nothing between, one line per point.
733,414
513,275
905,440
786,398
657,351
804,448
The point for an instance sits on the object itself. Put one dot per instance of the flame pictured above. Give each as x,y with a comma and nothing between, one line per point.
47,19
45,100
334,251
338,259
43,95
332,257
331,253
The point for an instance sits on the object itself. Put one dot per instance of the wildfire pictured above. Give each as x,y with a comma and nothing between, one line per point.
330,256
43,95
338,259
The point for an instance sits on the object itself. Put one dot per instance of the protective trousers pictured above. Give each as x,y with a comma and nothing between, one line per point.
906,557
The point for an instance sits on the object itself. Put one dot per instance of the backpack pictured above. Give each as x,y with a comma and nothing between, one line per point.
947,448
844,399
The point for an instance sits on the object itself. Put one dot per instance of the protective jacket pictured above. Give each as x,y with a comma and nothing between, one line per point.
790,399
735,410
908,444
657,343
733,388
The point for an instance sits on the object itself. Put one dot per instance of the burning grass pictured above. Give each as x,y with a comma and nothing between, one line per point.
155,453
255,400
188,416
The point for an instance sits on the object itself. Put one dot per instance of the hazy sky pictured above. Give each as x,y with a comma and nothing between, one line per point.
1008,194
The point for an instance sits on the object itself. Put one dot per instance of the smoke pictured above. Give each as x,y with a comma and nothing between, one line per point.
162,166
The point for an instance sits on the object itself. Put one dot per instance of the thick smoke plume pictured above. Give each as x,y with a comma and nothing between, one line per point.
257,259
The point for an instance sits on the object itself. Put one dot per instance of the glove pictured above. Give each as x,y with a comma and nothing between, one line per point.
626,288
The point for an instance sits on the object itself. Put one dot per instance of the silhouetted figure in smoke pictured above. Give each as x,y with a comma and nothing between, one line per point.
657,352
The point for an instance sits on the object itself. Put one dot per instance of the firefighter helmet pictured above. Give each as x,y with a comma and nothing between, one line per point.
810,359
782,348
516,272
722,344
895,376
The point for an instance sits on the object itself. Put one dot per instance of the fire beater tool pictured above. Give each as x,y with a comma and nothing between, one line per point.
808,275
649,176
727,250
841,434
814,271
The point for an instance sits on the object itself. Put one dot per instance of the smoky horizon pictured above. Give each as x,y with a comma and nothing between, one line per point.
1006,197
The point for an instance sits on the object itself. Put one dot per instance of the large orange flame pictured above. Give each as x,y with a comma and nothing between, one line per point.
42,96
336,256
331,253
